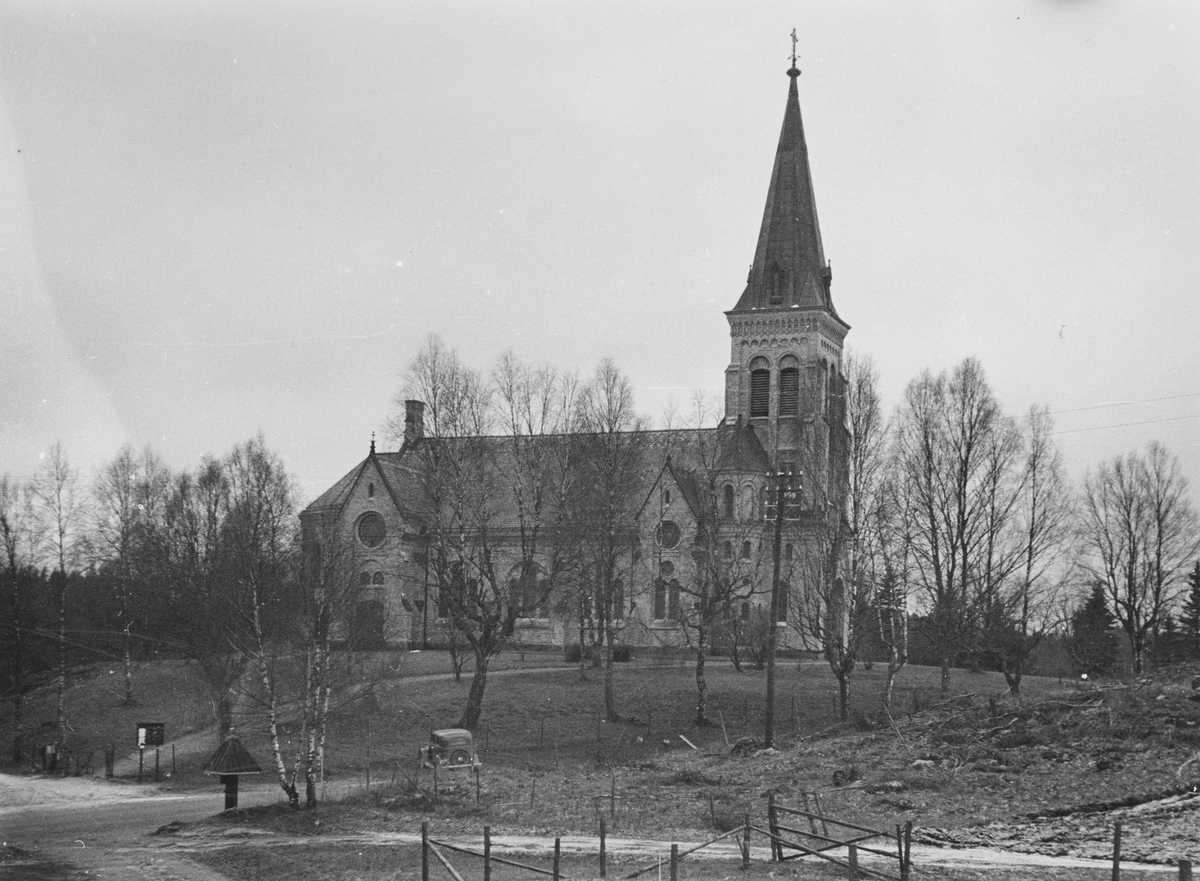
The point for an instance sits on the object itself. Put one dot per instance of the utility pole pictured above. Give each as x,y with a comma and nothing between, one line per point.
782,479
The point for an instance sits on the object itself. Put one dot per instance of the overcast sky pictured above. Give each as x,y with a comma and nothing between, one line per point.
221,217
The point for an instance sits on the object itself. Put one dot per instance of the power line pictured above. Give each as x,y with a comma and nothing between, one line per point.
1128,424
1127,403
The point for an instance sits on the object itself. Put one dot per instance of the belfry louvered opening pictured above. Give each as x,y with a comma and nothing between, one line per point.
789,391
760,392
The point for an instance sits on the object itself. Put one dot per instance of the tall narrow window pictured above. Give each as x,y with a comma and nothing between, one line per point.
674,611
660,599
789,388
728,501
760,388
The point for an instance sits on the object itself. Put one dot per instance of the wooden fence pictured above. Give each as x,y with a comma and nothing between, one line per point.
852,837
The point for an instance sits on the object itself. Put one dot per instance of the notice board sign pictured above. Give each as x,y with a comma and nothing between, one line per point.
151,734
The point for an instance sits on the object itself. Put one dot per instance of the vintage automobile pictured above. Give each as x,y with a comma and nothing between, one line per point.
450,748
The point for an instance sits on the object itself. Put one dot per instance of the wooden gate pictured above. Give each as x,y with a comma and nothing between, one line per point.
789,842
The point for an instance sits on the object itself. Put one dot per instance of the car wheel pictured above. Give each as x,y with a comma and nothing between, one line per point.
460,757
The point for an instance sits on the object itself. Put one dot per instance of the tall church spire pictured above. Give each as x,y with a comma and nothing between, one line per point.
786,338
789,268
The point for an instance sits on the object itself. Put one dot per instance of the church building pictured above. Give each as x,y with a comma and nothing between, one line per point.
709,499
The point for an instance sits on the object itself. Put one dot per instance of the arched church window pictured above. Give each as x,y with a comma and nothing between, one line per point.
745,611
789,387
727,550
370,490
364,579
746,550
673,609
728,491
760,388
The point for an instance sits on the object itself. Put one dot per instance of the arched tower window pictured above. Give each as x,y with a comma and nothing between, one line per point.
727,550
760,388
728,501
789,387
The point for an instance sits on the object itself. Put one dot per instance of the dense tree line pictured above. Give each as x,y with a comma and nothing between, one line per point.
139,562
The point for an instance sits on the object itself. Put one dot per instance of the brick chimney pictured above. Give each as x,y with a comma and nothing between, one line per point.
414,421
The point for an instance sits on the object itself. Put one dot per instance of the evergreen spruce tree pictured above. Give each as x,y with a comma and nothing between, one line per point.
1189,617
1093,641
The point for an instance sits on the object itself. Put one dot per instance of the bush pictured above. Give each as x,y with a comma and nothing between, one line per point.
573,653
622,653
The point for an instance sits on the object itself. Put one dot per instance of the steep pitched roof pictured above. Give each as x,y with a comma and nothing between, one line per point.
398,475
740,449
232,757
686,453
789,266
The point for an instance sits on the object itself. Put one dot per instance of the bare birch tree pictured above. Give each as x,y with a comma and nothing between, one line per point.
611,447
128,495
260,543
720,586
197,605
1025,602
61,513
950,457
497,539
1139,532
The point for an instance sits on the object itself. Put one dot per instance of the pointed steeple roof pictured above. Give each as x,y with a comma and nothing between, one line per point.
789,266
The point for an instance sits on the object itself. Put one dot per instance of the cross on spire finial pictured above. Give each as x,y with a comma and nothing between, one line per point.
372,443
793,47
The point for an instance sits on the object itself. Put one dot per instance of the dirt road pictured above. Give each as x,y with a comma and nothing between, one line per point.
105,829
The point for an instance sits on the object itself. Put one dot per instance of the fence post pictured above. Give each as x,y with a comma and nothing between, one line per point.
852,863
487,853
772,825
612,795
424,852
674,862
557,854
746,843
1185,870
1116,872
603,844
906,863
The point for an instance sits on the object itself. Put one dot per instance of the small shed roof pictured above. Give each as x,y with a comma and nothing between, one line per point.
232,758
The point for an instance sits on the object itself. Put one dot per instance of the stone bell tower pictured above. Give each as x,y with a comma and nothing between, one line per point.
785,374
